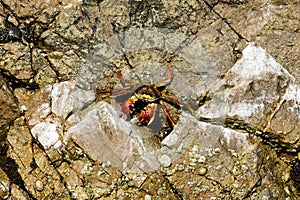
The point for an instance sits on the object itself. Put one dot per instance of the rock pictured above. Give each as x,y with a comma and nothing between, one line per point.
147,197
260,93
46,133
202,171
39,185
191,77
4,185
67,98
20,138
9,108
74,41
62,101
100,131
165,161
39,106
249,88
232,159
32,162
254,22
285,121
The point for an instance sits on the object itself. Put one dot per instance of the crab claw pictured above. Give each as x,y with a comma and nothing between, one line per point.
146,116
126,106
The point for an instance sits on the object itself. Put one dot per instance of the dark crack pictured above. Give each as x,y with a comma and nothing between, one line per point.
224,20
13,82
10,167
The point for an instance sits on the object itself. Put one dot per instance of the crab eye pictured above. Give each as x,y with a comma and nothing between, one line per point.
126,107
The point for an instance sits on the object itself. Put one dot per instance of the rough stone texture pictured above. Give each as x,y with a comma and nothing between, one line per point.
4,185
46,133
278,34
102,140
231,158
73,99
235,164
286,120
259,92
37,106
32,163
9,108
243,149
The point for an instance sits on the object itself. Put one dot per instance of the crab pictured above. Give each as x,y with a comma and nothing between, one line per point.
142,104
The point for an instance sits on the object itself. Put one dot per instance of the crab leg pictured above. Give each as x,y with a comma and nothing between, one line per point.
115,92
126,81
176,103
122,91
154,109
168,80
167,112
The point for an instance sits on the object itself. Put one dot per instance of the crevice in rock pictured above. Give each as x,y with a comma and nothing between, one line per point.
10,167
13,82
224,20
241,125
175,190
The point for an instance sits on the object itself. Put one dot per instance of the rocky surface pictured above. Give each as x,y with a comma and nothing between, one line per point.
255,91
59,139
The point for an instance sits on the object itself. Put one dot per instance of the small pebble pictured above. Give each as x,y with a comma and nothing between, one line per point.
201,159
203,171
147,197
165,161
39,186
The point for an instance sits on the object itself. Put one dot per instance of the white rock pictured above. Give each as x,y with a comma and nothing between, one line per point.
46,133
62,101
147,197
228,95
66,97
82,97
165,161
107,137
43,111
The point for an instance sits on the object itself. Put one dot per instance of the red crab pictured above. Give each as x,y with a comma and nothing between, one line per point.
142,105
